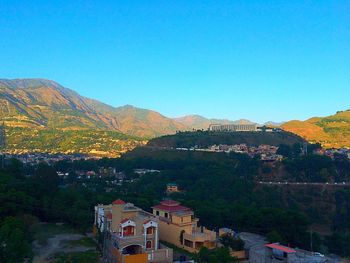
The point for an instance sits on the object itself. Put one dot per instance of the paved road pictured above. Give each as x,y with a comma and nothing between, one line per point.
303,183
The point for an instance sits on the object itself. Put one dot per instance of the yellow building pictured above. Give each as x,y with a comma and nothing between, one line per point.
178,226
172,188
130,234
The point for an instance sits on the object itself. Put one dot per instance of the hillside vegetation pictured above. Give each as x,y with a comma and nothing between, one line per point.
40,103
42,116
206,138
96,143
331,131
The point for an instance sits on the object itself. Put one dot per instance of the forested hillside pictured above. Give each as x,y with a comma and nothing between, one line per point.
206,138
331,131
223,189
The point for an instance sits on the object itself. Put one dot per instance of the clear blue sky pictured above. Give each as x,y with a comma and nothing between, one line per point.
260,60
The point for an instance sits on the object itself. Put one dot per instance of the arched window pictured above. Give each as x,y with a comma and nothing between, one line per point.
128,231
150,230
149,244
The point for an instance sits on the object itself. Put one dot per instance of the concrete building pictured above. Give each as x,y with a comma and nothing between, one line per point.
276,253
233,127
178,226
130,234
172,188
224,231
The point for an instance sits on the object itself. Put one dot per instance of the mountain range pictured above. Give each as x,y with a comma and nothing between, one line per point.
42,103
41,106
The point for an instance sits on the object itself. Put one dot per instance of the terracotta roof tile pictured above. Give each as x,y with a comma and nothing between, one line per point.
169,203
118,202
124,220
281,248
176,208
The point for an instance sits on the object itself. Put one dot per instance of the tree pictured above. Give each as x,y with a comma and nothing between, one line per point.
218,255
296,149
14,244
285,150
203,255
235,244
274,237
221,255
45,180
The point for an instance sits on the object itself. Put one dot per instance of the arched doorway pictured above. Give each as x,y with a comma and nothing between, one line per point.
132,250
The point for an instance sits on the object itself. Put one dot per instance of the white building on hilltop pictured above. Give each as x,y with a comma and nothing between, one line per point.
233,127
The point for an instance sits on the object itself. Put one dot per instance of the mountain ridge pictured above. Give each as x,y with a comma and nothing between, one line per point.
42,104
331,131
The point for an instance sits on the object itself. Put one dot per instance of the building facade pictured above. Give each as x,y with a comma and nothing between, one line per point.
129,234
233,127
172,188
178,226
273,253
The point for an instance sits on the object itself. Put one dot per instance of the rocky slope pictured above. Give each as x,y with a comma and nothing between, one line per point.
331,131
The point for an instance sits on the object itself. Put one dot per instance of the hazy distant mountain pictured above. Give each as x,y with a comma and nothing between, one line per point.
141,122
331,131
200,122
40,106
274,124
41,103
46,104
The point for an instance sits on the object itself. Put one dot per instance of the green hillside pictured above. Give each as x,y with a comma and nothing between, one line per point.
206,138
41,103
331,131
92,142
42,116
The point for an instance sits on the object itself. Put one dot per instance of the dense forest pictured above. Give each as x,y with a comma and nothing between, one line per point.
222,189
208,138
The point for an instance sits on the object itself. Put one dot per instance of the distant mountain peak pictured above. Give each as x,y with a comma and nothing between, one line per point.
200,122
45,103
29,83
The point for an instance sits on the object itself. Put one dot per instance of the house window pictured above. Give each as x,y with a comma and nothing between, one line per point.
157,213
149,244
149,231
188,243
166,214
128,231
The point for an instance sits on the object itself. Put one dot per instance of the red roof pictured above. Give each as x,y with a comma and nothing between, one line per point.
124,220
281,248
171,206
176,208
118,202
169,203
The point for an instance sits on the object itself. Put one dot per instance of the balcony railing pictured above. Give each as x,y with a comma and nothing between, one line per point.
197,236
160,255
122,242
